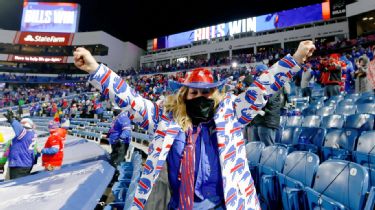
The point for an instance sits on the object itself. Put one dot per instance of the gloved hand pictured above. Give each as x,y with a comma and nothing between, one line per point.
10,116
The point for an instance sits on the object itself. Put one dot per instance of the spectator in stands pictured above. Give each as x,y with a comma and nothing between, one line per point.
307,75
265,125
119,136
198,132
22,151
360,75
331,76
53,151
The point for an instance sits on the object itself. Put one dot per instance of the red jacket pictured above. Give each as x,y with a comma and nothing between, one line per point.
56,139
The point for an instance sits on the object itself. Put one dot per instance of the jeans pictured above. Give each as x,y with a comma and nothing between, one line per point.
264,134
331,90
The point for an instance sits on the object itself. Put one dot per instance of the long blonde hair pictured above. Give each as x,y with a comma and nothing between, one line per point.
176,104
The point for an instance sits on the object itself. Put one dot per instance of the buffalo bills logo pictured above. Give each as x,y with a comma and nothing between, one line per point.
229,114
148,167
245,116
119,85
245,176
240,145
238,167
150,149
120,102
144,185
139,203
230,155
155,113
236,131
231,198
279,83
241,204
286,62
251,96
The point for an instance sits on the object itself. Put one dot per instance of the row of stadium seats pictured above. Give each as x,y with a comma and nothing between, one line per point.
296,180
356,121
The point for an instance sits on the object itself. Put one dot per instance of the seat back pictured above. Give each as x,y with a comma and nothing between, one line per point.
346,110
311,121
253,151
353,96
314,136
294,121
333,121
366,99
274,157
366,108
325,111
289,135
366,143
362,122
343,181
301,166
341,139
346,102
310,110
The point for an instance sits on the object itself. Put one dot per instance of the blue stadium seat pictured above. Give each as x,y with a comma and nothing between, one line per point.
253,152
353,96
310,110
362,122
366,99
346,102
271,161
299,171
339,184
365,153
370,203
311,121
294,121
290,135
339,143
333,121
325,111
366,108
346,110
310,139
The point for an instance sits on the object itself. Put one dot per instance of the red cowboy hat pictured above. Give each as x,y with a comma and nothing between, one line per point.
199,78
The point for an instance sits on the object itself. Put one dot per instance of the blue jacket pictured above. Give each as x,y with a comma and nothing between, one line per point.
22,150
120,129
208,181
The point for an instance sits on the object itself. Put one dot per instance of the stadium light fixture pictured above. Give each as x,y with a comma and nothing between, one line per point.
365,18
234,64
370,18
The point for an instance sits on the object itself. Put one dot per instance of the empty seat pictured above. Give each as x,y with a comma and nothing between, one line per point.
370,203
339,184
366,99
283,120
366,108
325,111
339,143
294,121
346,102
310,139
353,96
362,122
310,110
289,135
365,153
346,109
311,121
271,161
333,121
253,152
299,171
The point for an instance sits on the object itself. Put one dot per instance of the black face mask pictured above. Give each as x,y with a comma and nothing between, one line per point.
200,109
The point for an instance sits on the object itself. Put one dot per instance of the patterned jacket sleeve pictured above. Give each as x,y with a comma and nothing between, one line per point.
249,103
142,112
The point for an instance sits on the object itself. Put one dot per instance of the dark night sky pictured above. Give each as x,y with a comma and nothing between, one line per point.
139,20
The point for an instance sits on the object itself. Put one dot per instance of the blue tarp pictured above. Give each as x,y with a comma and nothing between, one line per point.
79,151
78,186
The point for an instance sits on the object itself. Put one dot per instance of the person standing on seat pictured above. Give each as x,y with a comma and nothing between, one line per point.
198,132
119,136
22,151
53,151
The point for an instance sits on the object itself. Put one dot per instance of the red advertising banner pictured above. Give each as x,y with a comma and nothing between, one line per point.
37,59
43,38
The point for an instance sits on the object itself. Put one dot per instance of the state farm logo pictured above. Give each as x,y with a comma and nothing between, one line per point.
44,39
